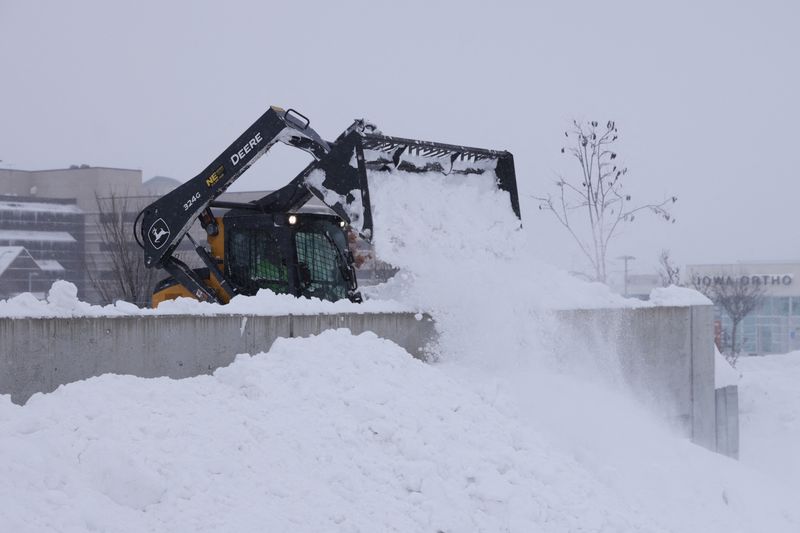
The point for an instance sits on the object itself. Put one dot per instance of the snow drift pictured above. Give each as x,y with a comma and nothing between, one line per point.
346,433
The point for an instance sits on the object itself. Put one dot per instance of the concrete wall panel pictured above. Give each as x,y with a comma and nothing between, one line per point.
727,430
703,402
666,356
39,354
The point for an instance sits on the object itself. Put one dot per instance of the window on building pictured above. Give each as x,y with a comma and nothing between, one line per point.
766,307
781,306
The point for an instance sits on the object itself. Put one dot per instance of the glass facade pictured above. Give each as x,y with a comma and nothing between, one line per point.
774,327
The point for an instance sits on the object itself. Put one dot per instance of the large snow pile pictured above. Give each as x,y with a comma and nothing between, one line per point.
345,433
461,243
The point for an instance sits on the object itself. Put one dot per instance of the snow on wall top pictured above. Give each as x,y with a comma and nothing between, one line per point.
674,296
62,301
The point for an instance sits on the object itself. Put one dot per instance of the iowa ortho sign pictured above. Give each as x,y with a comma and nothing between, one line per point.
767,279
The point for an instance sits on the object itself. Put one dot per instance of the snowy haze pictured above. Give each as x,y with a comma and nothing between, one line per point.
517,425
704,95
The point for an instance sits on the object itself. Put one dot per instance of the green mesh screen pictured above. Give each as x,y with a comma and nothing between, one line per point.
318,254
255,262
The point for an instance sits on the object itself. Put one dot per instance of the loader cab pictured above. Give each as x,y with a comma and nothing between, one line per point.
303,254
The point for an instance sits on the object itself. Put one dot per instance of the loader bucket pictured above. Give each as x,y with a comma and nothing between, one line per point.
340,179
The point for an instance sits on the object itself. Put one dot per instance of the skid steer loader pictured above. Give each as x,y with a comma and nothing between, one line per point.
272,243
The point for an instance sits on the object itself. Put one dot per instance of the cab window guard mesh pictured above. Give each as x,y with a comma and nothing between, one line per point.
317,253
257,265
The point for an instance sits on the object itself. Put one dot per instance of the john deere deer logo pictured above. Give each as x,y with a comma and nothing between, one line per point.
158,233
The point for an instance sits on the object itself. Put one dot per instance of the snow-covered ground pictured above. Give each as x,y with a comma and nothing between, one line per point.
508,431
349,433
769,408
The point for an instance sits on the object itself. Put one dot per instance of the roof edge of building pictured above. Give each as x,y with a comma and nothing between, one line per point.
78,168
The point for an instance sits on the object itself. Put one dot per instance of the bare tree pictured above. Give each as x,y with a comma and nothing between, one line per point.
738,296
118,273
595,200
669,273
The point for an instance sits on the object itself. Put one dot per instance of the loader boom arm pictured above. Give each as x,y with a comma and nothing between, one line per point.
165,222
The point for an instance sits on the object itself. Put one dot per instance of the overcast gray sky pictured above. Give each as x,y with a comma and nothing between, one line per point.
705,95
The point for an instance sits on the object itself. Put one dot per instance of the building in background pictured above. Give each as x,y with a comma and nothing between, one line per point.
43,240
20,272
774,327
53,214
79,183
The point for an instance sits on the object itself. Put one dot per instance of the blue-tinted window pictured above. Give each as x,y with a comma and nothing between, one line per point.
781,306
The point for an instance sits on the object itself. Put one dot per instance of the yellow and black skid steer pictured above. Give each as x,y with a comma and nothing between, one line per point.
271,243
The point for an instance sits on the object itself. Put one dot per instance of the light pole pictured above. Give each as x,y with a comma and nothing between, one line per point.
626,258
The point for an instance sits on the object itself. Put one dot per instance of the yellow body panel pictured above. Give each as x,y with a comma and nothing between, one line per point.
170,293
217,245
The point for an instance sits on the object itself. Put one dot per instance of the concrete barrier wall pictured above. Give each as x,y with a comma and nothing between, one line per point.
665,354
39,354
